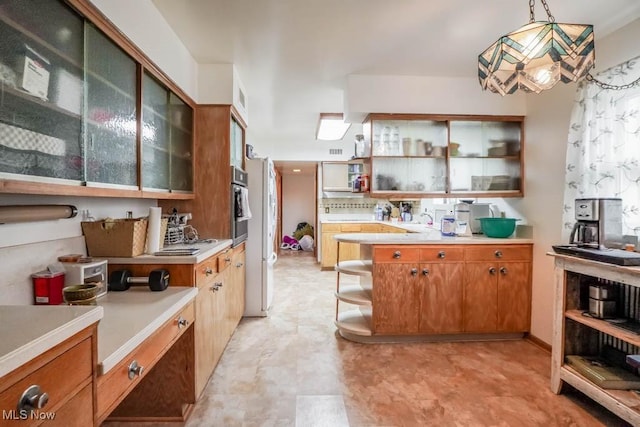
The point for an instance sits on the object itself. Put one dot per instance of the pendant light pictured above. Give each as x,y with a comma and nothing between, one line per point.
537,55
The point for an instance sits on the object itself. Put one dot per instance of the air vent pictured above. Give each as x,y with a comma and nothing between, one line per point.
241,98
335,151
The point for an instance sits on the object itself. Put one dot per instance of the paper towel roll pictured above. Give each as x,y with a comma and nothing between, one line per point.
153,230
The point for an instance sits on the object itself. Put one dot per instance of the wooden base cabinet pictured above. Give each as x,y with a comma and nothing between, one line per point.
422,290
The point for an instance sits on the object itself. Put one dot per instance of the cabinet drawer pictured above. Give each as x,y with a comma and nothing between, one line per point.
370,228
498,252
206,271
350,228
442,254
115,384
395,254
58,378
331,228
224,259
77,412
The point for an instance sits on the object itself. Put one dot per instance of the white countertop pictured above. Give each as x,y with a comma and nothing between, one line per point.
132,316
432,237
206,250
26,331
408,226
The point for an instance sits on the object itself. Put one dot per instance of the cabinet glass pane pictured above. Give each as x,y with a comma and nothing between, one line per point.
110,77
408,137
181,145
487,157
236,144
409,175
41,89
155,134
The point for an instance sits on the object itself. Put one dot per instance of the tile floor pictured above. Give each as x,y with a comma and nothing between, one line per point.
291,369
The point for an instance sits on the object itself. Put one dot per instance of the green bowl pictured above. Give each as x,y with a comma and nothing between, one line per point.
498,227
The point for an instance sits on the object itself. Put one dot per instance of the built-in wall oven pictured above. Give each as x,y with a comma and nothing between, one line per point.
239,206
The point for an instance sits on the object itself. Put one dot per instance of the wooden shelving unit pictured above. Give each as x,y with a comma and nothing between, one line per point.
355,321
580,334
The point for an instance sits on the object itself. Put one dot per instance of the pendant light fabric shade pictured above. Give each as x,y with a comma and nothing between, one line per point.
536,56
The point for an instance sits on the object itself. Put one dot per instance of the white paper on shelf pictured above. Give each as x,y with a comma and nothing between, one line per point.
153,230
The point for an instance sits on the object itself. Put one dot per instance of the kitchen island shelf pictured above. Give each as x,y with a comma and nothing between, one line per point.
355,267
355,322
355,294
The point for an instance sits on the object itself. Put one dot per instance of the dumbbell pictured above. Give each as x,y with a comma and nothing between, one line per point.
120,280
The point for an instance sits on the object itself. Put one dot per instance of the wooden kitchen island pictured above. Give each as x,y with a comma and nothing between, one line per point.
424,287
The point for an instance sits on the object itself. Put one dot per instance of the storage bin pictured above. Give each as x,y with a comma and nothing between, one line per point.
115,237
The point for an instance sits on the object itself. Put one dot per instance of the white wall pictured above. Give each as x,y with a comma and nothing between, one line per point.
546,131
298,201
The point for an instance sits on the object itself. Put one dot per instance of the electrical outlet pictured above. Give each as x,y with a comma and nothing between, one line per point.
326,210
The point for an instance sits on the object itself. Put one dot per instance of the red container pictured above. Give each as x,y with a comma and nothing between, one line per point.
47,287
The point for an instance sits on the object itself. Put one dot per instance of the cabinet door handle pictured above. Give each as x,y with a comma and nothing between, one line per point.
498,254
396,254
425,271
227,259
441,254
213,288
492,270
239,264
33,398
217,285
182,322
208,271
135,370
503,270
414,271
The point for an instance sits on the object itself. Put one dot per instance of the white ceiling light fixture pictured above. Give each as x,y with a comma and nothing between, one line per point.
331,127
537,55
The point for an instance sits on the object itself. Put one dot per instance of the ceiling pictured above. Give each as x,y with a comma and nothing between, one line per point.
293,55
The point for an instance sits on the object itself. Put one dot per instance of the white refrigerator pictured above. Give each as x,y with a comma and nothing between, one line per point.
261,256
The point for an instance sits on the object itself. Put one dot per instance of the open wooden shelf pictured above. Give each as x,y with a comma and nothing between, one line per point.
604,326
355,267
356,322
355,294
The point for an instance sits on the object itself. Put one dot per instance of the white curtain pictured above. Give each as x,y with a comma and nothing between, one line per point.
603,150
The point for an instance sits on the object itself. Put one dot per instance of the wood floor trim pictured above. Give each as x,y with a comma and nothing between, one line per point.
539,343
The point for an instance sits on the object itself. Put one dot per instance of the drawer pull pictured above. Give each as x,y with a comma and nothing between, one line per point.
217,285
213,288
492,270
498,254
208,271
33,398
425,271
182,322
503,270
441,254
135,370
396,254
239,264
414,271
227,259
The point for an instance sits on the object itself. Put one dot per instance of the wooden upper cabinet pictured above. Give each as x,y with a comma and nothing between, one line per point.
423,155
72,121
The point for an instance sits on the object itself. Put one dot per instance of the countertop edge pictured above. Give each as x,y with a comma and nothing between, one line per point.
42,344
422,239
114,358
217,247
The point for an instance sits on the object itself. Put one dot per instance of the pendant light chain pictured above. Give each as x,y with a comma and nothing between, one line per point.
532,15
604,85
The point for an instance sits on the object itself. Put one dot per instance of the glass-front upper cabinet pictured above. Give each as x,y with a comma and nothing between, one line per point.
111,123
41,91
167,142
237,144
409,155
436,155
485,156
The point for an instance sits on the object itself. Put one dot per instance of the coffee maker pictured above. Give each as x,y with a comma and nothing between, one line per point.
598,223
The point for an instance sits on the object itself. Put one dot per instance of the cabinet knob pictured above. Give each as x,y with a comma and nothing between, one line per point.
227,259
238,265
441,254
414,271
33,398
213,288
396,254
135,370
208,271
498,254
182,322
217,285
503,270
492,270
425,271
